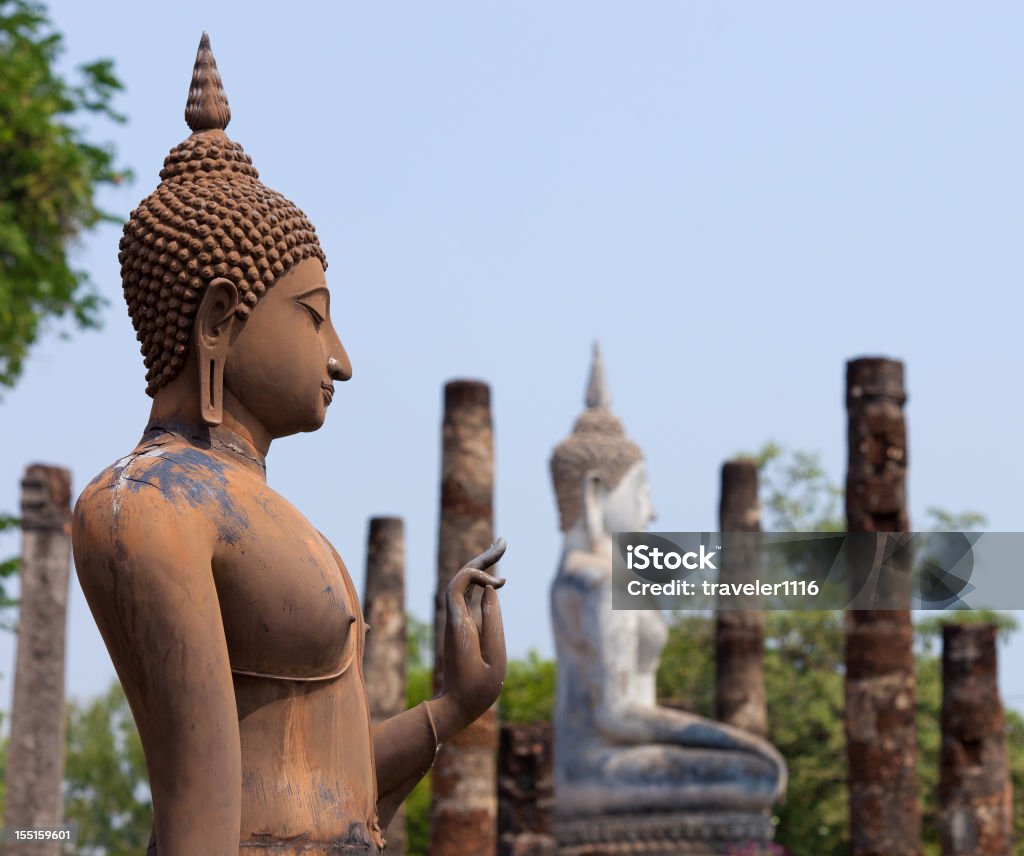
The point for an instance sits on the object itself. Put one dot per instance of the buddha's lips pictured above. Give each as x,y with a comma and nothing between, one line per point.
328,389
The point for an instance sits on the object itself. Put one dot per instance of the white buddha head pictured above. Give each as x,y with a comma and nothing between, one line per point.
599,475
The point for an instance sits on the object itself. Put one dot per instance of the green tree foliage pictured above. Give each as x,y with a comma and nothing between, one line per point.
686,677
529,691
419,686
941,520
105,786
796,492
1015,740
8,569
804,683
49,174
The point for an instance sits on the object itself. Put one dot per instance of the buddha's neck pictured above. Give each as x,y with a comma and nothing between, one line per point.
221,441
578,538
238,438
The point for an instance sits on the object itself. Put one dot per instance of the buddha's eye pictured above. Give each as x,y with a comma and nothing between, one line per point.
318,319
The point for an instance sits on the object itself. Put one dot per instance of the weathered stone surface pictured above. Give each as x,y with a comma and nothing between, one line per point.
464,807
35,765
386,654
975,791
526,791
740,697
881,732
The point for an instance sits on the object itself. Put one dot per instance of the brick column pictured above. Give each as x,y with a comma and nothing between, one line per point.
740,697
35,761
386,654
975,792
881,731
463,817
526,791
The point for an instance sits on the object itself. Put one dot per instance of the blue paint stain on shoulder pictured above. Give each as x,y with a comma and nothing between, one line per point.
186,475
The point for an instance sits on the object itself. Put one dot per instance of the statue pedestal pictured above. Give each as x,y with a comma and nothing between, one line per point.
698,833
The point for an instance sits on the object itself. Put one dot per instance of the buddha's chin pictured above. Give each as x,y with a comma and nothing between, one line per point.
311,428
316,422
300,424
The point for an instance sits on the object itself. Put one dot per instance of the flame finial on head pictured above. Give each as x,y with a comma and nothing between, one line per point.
597,445
597,386
207,106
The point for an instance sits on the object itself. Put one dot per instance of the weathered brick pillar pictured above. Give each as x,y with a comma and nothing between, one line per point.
463,816
740,697
386,654
881,732
526,791
975,792
35,761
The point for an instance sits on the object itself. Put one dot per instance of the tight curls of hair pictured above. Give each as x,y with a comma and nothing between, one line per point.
210,217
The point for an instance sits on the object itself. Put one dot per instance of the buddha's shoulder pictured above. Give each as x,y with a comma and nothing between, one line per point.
583,570
163,482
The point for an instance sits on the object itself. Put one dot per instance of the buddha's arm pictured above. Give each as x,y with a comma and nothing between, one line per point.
473,671
153,596
404,747
621,716
636,723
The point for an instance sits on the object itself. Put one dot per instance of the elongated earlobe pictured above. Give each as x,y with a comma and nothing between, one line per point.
593,506
215,320
211,388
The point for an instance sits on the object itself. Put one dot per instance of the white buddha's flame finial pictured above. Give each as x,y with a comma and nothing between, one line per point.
597,385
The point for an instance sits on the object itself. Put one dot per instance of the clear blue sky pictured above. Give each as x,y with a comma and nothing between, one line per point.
734,198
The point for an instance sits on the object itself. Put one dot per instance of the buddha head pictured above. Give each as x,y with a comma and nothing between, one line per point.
204,251
599,476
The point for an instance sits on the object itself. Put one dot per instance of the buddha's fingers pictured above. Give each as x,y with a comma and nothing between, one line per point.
492,632
463,582
488,557
461,634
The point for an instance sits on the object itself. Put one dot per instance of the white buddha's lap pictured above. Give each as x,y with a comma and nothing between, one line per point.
665,777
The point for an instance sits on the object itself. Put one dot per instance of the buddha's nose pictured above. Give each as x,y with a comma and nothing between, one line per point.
339,367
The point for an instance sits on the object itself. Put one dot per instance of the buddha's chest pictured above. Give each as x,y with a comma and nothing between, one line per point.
288,605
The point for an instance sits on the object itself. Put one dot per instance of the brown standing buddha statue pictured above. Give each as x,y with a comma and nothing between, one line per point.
233,624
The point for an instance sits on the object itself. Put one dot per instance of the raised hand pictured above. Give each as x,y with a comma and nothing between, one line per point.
474,658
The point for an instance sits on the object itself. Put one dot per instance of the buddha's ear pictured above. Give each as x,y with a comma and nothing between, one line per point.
594,493
214,324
